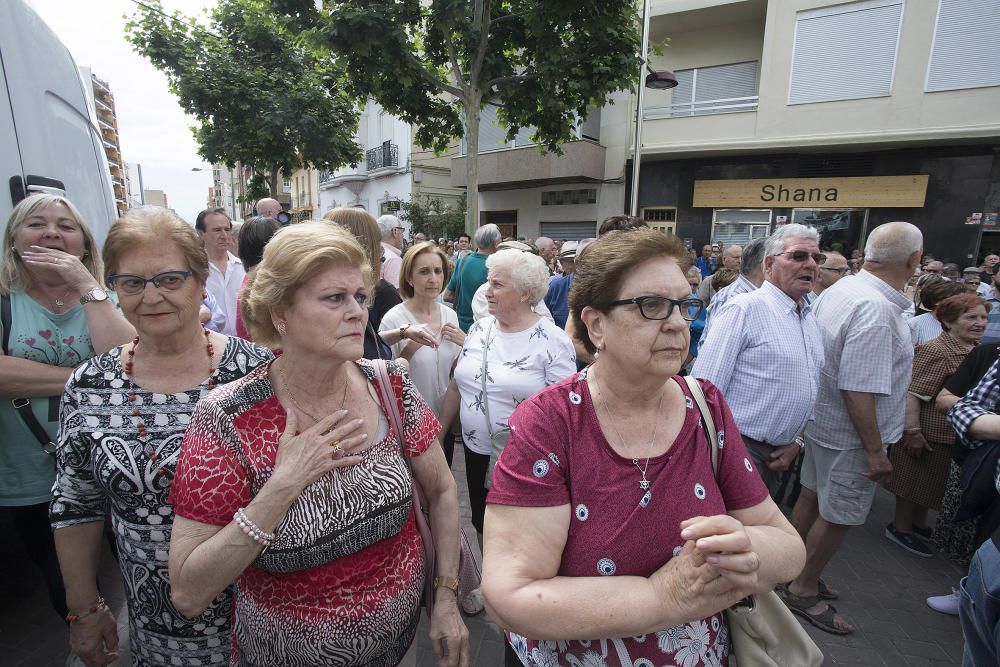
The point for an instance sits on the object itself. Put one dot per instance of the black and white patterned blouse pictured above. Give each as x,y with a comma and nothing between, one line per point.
102,462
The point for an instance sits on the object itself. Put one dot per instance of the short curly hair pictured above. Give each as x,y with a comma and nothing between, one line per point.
949,310
528,271
608,261
153,224
292,257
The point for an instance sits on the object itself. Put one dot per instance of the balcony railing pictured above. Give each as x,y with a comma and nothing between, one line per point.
325,175
386,155
703,108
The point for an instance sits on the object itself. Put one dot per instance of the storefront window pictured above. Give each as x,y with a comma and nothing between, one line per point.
839,229
740,225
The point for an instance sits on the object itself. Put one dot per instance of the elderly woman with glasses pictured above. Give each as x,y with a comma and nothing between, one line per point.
610,537
122,419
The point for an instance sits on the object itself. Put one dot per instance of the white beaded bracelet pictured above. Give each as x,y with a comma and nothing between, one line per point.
251,529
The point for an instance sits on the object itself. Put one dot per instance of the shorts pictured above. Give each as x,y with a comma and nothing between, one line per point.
843,493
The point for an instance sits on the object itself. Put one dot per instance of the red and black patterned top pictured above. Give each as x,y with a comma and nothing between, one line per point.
342,582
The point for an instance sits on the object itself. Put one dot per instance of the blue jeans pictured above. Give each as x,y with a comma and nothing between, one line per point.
980,608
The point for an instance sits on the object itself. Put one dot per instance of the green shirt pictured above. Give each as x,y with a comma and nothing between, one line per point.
59,339
470,273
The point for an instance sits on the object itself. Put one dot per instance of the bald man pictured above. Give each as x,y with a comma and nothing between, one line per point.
268,208
833,269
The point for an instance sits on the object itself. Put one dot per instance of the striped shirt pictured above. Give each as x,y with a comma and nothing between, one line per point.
992,333
720,298
765,355
868,349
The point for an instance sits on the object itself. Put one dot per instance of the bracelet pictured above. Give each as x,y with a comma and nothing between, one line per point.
252,530
100,605
912,430
451,583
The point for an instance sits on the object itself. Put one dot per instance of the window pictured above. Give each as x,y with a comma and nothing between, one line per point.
286,185
845,52
842,227
569,197
964,54
659,214
569,231
740,225
711,90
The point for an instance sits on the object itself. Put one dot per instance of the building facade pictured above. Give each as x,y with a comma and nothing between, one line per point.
103,102
839,115
156,198
134,195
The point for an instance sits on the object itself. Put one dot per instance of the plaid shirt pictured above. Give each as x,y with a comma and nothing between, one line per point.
981,400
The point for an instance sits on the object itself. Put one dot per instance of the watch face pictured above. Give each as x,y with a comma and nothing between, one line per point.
96,294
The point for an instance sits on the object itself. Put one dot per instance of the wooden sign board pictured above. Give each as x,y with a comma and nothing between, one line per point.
852,192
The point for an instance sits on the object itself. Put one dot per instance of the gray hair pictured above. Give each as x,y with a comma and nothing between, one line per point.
753,256
893,243
387,223
776,241
487,236
528,271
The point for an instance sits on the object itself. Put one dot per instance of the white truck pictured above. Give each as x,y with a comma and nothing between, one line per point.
49,139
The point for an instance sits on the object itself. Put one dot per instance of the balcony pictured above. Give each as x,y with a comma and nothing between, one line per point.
581,162
106,126
702,108
385,156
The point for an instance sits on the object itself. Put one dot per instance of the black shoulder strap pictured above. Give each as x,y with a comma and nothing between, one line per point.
5,319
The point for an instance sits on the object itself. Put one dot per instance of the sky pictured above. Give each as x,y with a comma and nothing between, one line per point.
153,129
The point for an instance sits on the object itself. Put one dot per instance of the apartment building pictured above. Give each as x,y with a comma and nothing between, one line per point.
228,190
304,193
839,115
103,101
393,170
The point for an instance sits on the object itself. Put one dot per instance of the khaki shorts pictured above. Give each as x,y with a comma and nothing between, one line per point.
844,494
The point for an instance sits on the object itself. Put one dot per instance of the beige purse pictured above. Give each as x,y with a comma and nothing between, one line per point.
762,631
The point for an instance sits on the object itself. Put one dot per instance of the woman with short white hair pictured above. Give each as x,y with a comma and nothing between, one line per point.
507,357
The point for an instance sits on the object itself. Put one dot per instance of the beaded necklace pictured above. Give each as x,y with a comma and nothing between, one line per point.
148,449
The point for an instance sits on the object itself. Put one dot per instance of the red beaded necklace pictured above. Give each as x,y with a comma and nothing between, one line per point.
133,397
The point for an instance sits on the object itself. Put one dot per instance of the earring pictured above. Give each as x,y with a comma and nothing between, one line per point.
282,329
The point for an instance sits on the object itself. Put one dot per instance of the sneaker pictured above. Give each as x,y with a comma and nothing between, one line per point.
946,604
923,533
908,541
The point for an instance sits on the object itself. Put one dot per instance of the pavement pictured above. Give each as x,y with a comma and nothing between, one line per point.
882,587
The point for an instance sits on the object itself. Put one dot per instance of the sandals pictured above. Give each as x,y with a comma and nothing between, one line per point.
800,605
473,603
827,593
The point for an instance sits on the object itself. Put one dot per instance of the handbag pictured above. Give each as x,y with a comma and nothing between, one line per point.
469,576
978,481
498,439
762,631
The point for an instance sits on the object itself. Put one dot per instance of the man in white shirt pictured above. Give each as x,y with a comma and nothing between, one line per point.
392,248
731,258
971,277
763,340
834,268
862,395
751,278
225,270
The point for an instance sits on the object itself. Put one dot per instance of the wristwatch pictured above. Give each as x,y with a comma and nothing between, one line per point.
402,330
94,294
448,582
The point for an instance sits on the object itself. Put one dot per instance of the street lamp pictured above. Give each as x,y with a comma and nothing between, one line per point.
656,80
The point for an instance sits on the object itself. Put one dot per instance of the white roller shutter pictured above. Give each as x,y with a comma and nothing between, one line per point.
569,231
845,52
697,89
965,54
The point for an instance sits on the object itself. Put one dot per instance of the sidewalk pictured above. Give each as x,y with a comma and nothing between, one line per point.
882,592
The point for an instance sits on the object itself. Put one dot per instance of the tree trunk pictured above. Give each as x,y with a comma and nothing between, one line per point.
472,114
272,182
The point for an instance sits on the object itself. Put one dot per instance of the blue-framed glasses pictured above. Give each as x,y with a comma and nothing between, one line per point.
126,283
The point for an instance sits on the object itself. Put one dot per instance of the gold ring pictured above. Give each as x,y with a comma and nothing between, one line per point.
338,451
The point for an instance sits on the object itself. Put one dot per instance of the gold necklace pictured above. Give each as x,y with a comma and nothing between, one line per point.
644,483
288,392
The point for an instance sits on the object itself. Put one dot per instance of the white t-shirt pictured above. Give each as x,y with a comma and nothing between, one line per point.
430,369
518,365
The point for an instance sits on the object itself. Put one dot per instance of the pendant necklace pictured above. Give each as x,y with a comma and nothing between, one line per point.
644,483
284,385
148,448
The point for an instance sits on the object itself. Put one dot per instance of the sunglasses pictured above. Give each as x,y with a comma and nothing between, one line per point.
841,271
803,255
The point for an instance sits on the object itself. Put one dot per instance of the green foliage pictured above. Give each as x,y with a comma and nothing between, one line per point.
260,94
434,217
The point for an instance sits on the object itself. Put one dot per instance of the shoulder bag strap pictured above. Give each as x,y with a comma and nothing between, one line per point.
23,405
486,402
706,419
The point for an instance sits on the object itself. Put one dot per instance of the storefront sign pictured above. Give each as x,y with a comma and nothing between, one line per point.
853,192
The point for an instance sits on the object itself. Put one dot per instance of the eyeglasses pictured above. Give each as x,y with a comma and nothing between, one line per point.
842,271
661,307
802,255
126,283
933,271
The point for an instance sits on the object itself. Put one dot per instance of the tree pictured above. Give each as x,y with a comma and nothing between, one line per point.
544,62
260,95
434,217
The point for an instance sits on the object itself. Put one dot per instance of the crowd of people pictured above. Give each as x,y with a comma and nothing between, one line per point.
221,407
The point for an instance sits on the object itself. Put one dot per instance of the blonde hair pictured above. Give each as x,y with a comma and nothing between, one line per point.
410,258
360,222
14,275
149,224
292,257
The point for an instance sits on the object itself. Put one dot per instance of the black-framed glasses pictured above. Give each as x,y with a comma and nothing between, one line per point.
662,307
127,283
802,255
842,271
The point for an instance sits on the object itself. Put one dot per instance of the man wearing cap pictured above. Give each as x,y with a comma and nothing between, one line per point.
557,298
